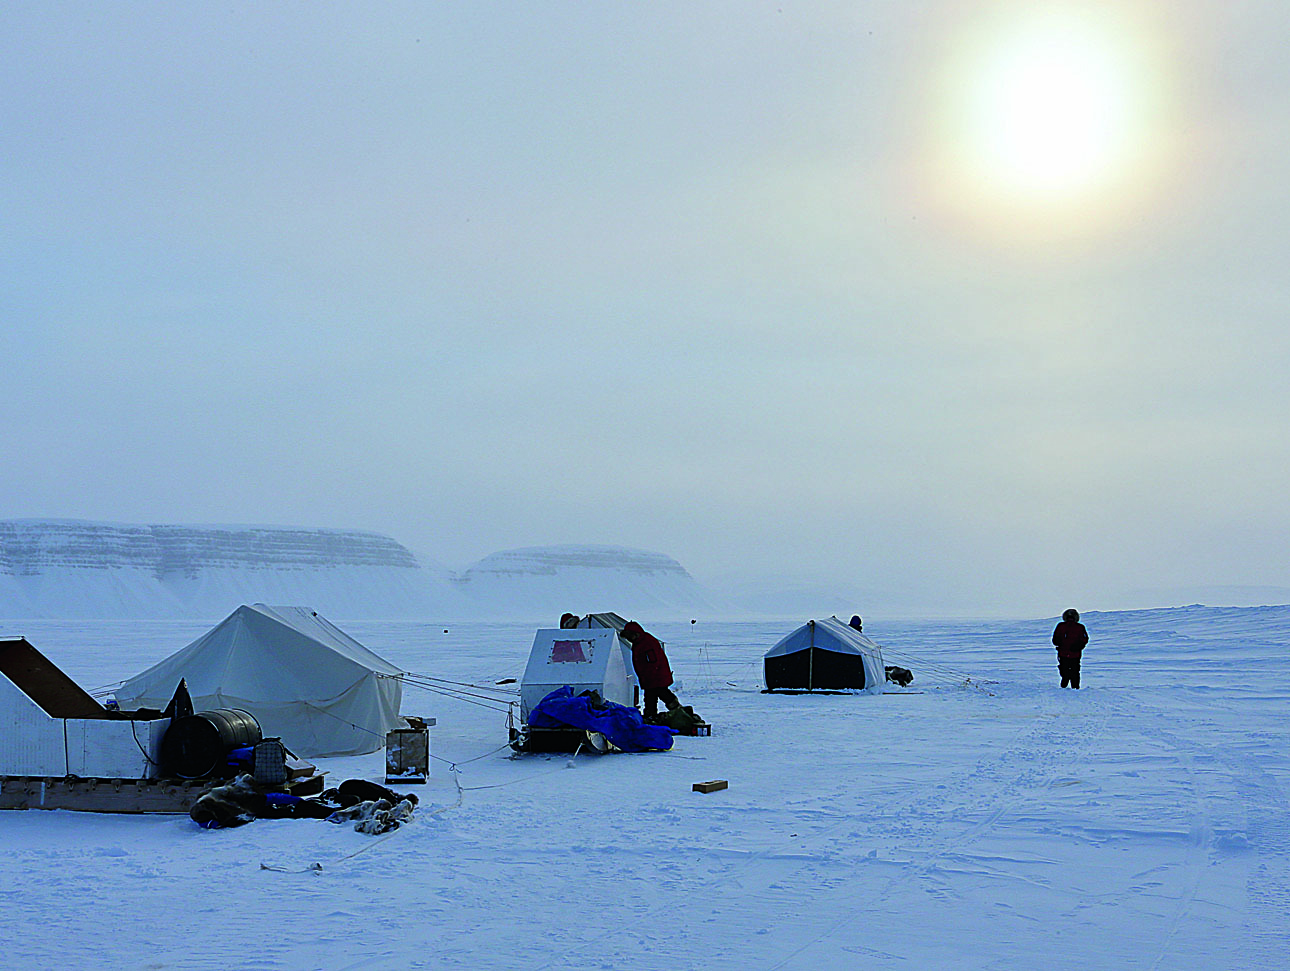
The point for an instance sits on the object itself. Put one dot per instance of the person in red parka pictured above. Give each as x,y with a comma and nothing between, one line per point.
1069,638
652,671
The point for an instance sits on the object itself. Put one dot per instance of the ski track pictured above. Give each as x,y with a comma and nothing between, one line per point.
1267,834
1010,777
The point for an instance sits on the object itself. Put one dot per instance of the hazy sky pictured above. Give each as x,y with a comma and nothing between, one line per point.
959,303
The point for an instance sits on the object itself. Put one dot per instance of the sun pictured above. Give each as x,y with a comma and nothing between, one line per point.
1050,111
1047,107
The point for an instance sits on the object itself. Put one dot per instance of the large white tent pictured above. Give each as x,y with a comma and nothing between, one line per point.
305,680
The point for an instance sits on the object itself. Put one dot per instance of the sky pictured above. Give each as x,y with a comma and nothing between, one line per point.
966,306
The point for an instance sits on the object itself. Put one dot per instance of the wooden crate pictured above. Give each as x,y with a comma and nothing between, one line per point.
407,756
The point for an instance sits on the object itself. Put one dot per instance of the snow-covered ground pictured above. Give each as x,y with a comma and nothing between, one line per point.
1140,823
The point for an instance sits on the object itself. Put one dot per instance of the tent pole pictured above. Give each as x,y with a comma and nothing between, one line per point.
810,660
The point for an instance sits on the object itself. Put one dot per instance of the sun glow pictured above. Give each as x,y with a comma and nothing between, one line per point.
1050,115
1047,110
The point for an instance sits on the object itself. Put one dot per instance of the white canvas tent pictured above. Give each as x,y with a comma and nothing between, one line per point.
825,655
304,679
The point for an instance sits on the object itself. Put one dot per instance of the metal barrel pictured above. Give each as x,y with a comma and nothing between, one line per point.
196,746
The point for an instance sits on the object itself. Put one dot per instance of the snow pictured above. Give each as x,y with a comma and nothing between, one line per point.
1140,823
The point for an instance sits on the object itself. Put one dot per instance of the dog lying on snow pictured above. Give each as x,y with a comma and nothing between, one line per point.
374,808
900,676
376,816
223,807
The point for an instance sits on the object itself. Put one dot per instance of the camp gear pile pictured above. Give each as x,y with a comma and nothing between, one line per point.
372,808
622,726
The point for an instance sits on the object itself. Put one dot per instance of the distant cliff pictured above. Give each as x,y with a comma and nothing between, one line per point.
74,569
70,568
549,580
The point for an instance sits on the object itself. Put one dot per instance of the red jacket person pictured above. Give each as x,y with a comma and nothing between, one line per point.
652,670
1069,638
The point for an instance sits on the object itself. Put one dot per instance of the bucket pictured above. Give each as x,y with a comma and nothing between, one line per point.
195,746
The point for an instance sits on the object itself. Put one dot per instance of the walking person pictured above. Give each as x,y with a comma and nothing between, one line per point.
652,670
1069,638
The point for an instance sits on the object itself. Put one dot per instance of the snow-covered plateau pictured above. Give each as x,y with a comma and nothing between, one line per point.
534,581
1002,822
76,569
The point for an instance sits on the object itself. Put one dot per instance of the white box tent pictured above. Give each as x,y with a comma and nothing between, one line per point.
584,659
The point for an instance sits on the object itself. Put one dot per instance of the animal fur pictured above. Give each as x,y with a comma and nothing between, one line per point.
900,676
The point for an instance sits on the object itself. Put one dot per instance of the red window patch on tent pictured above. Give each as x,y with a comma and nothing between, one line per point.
564,651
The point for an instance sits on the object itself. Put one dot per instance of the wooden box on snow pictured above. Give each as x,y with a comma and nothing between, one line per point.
407,752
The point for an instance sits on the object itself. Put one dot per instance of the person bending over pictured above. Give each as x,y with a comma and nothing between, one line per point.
652,670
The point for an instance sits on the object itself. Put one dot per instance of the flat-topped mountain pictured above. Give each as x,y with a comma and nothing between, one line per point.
28,547
71,568
60,568
580,579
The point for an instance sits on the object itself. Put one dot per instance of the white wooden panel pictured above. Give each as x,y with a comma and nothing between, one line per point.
31,742
110,749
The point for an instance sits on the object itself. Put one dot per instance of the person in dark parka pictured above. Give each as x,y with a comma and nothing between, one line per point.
652,670
1069,638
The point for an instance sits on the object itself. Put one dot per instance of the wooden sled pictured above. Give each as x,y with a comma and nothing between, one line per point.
175,796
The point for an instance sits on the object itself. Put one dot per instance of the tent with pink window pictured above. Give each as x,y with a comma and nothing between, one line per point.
585,659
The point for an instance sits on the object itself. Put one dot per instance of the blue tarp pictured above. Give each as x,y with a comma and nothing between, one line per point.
621,725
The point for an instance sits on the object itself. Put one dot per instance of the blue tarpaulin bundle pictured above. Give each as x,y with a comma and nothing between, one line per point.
621,725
